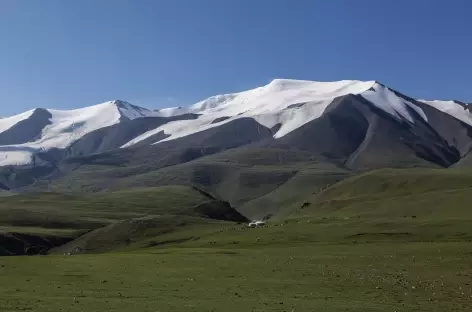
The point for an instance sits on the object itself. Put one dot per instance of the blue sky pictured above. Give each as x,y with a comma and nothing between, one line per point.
157,53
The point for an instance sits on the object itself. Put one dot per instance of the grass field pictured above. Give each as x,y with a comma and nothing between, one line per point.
316,277
387,240
301,264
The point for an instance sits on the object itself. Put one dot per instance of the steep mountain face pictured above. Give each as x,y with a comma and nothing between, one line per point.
359,135
353,125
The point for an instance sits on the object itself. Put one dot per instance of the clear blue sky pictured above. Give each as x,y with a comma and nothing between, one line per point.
156,53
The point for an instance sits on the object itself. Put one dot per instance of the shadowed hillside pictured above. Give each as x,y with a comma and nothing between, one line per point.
39,220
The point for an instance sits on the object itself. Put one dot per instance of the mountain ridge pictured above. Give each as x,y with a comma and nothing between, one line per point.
357,124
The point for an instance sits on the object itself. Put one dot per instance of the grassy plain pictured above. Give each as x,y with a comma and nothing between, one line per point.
387,240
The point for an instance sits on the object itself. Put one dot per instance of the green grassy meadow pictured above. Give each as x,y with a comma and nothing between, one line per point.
387,240
314,277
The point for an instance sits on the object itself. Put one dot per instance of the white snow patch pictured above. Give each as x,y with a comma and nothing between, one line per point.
15,157
277,95
452,108
178,129
293,118
389,102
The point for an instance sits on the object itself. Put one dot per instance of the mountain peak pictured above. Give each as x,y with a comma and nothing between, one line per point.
119,103
130,111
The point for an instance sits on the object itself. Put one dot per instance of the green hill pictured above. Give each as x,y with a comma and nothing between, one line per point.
238,176
67,216
427,193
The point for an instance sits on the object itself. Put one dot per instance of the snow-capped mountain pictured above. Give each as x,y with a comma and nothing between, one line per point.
24,135
290,103
284,111
287,103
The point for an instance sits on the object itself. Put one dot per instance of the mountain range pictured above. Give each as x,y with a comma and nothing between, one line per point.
272,141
